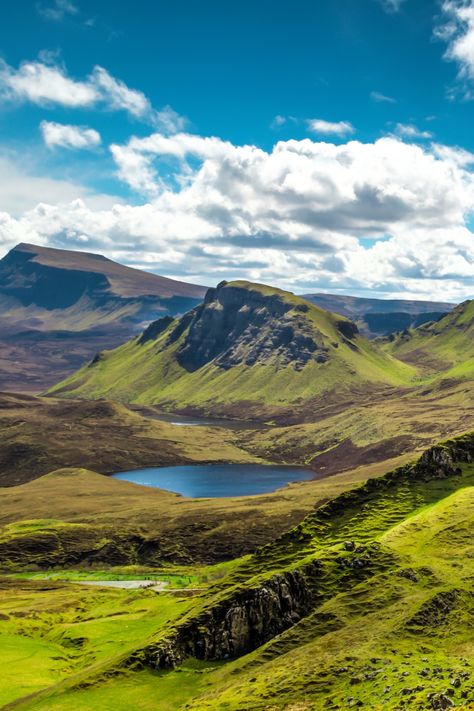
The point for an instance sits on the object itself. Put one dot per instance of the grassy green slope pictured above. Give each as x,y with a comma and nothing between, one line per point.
445,349
390,569
393,611
150,373
50,631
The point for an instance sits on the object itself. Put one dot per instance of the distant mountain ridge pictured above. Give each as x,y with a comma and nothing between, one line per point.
60,307
50,297
57,279
380,317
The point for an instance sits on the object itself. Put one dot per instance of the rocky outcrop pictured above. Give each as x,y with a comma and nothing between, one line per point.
443,458
241,326
238,624
155,329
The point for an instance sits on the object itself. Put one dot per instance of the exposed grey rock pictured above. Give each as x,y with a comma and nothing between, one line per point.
240,326
155,329
238,625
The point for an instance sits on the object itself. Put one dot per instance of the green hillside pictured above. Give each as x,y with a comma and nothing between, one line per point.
246,343
442,350
367,603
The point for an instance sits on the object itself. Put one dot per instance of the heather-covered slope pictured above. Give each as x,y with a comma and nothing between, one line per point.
59,307
248,350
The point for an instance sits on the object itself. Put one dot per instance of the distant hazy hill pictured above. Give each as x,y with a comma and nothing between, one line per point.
247,349
59,307
380,317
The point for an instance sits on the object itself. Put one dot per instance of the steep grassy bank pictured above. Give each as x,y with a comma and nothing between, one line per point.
443,350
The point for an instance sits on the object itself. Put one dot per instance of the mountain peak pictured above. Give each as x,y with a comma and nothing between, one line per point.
245,344
94,302
242,323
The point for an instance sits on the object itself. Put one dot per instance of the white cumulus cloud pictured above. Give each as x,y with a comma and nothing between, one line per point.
118,95
67,136
458,31
330,128
44,84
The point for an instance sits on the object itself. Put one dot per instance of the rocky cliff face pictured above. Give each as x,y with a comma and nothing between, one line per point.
443,459
239,624
240,326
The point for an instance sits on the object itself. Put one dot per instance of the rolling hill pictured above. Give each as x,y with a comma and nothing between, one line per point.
443,351
247,351
59,307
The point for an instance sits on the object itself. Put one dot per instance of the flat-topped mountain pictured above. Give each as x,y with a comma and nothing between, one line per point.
53,297
53,279
380,317
246,344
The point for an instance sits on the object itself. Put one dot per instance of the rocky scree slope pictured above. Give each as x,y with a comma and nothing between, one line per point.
246,344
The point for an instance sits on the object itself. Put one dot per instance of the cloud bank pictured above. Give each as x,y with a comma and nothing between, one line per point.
388,217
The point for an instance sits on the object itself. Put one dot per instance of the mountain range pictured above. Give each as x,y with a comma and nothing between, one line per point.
60,307
247,347
380,317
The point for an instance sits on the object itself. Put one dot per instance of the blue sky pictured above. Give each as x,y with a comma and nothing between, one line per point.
146,106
